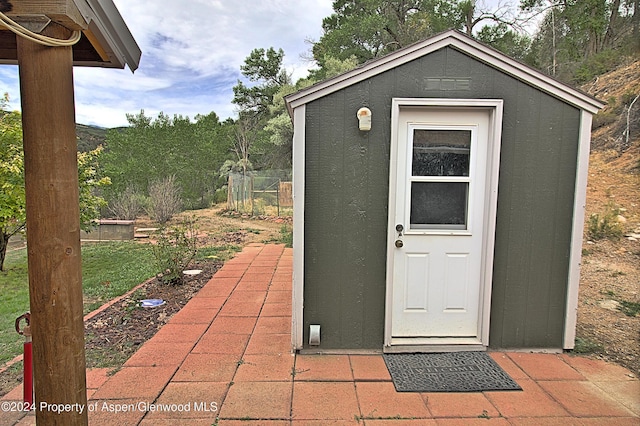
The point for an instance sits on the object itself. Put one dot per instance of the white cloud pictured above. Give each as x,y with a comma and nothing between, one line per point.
191,56
9,84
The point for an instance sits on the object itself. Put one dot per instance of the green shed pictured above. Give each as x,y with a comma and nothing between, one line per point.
439,197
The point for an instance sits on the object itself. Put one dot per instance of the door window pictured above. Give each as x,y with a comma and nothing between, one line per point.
439,181
441,152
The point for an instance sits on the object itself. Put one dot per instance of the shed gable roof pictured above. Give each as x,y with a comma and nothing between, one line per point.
461,42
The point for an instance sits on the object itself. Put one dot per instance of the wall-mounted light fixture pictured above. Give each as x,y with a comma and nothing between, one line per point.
364,119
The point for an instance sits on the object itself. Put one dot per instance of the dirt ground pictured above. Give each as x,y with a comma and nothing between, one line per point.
610,272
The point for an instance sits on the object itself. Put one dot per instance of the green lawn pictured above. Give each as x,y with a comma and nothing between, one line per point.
108,270
112,269
14,292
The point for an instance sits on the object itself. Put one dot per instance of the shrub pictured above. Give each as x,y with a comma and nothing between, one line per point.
175,249
127,205
286,235
608,115
586,346
630,309
604,225
220,196
597,64
259,207
164,199
604,118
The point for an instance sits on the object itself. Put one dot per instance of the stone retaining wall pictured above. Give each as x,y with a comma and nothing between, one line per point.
110,230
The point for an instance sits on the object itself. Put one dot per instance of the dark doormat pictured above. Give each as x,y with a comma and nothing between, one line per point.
447,372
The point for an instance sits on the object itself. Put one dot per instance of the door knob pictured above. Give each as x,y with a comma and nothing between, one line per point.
399,243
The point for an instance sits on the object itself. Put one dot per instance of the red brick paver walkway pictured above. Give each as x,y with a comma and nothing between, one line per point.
225,359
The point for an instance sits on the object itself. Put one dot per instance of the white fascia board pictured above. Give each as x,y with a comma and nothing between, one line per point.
106,23
462,43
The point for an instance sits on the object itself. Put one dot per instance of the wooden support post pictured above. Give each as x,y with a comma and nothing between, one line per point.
53,229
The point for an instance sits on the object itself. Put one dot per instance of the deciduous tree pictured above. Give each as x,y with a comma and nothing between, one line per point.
572,32
264,69
366,29
12,195
153,149
12,192
256,138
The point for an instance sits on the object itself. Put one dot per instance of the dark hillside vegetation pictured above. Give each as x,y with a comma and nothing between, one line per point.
90,137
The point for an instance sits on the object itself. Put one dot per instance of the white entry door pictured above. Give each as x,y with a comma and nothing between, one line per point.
438,226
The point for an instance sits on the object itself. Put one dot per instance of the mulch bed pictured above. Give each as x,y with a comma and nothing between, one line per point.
114,334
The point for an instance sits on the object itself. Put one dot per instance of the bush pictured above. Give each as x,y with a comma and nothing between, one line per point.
630,309
164,199
175,249
220,196
286,235
602,119
127,205
604,225
607,115
587,346
597,64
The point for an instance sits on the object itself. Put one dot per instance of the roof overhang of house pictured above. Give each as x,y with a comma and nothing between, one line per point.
461,42
106,40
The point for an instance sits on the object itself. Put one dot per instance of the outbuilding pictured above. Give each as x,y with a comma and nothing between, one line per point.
439,197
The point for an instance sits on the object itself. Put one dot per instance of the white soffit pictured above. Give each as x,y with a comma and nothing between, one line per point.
462,43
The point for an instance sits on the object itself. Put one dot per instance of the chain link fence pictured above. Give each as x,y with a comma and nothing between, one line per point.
266,192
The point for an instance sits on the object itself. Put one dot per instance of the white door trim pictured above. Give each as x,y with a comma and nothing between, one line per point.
495,108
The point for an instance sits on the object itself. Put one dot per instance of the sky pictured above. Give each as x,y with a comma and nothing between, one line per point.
192,51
